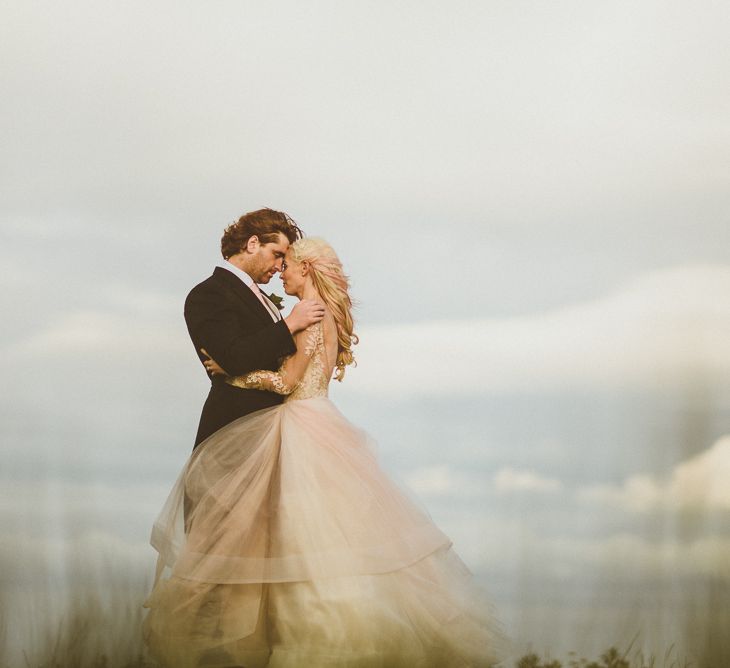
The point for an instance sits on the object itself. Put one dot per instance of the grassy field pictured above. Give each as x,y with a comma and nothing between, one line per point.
92,635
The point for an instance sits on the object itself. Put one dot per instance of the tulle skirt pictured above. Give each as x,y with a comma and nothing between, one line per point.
283,543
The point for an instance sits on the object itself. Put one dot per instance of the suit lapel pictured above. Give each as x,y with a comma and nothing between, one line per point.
243,293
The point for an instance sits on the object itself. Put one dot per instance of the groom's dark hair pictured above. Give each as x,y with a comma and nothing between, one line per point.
265,224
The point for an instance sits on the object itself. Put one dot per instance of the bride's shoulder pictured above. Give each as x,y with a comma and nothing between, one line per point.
328,322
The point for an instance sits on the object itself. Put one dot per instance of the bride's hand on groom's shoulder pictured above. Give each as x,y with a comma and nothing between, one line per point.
211,366
304,314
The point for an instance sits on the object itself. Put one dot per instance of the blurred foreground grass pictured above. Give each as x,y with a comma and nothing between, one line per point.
94,635
90,634
611,658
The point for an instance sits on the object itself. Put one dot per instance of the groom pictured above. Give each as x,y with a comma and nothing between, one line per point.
234,322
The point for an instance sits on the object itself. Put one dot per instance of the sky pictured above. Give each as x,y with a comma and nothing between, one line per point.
532,202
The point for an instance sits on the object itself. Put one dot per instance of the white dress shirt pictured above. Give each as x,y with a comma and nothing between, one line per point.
273,311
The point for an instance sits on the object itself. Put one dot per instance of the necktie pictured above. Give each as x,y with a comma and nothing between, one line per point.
266,302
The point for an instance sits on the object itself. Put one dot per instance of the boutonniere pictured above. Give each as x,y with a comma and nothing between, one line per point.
276,300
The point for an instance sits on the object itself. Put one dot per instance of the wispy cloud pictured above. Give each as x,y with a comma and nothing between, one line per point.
699,483
508,480
667,327
443,480
89,332
664,328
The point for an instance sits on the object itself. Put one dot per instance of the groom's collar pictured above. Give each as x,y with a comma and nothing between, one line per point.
225,264
243,292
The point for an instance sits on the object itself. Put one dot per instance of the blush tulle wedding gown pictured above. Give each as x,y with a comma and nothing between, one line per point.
283,543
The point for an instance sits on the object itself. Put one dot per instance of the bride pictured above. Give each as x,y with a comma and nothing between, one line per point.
283,543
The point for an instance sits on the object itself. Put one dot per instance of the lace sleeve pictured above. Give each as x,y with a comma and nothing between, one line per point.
272,381
285,380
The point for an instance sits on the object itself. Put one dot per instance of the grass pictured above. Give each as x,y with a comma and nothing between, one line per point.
92,635
611,658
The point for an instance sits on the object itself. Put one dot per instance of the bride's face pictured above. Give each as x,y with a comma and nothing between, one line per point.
292,277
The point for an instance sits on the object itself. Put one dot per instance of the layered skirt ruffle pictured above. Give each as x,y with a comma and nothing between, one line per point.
283,543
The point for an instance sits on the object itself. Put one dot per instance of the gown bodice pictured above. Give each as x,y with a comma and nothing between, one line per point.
304,375
316,378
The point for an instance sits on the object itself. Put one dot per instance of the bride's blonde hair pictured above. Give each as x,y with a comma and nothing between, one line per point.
332,285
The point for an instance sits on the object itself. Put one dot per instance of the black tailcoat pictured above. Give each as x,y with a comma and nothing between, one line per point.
226,318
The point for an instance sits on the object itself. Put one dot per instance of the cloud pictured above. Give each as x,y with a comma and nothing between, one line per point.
170,131
447,482
91,331
443,481
666,327
501,545
699,483
508,480
53,505
645,559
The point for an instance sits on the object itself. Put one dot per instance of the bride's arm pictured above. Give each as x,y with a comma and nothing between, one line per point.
290,372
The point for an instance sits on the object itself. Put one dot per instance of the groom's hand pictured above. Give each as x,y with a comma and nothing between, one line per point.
305,313
211,366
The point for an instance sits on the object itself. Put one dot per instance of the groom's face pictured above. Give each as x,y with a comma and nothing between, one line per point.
268,259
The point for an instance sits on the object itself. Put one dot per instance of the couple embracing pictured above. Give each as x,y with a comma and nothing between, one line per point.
283,543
